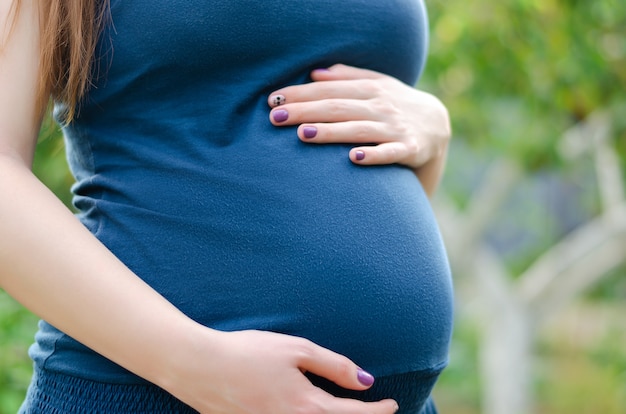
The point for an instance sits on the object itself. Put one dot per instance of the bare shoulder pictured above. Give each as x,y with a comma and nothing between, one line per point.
19,73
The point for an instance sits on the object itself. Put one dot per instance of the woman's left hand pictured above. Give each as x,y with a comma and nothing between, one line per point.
388,120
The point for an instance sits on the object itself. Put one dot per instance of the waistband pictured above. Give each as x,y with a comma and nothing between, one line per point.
411,390
52,393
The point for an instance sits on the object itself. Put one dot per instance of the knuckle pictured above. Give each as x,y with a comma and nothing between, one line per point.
374,88
392,154
362,133
379,105
389,154
343,367
403,131
386,109
412,147
337,107
303,349
326,135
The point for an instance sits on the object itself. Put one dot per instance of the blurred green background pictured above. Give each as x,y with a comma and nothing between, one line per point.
536,91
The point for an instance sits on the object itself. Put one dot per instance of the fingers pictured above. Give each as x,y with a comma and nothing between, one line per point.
338,81
322,402
344,72
340,126
351,105
352,89
348,406
388,153
349,132
332,366
343,372
328,110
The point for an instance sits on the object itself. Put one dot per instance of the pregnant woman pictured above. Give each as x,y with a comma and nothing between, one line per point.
253,232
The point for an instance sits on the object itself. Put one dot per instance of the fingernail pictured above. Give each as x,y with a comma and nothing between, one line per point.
309,132
360,155
277,100
280,115
397,408
321,70
364,378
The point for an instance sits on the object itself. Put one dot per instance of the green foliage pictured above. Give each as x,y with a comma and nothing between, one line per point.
586,372
611,288
18,328
458,389
50,165
516,73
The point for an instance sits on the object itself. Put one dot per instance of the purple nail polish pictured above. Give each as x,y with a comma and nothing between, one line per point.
360,155
309,132
280,115
364,378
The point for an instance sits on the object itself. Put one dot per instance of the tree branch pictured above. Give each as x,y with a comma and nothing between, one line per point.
601,239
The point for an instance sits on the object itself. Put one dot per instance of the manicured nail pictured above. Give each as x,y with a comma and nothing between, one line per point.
360,155
277,100
364,378
280,115
309,132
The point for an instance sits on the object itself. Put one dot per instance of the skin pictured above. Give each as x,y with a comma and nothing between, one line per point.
358,106
96,299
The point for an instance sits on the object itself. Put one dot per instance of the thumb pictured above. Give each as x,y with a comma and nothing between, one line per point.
336,368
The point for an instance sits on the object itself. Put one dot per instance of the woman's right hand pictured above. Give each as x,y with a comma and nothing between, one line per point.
256,372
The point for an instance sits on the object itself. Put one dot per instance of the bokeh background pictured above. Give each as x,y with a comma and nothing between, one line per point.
532,208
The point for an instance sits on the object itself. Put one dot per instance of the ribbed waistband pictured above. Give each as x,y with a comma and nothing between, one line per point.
411,390
52,393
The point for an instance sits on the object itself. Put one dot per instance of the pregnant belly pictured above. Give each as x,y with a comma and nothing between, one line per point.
349,257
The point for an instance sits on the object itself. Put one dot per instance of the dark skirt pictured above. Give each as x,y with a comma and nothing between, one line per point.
51,393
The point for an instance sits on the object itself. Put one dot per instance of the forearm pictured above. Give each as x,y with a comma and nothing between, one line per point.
60,271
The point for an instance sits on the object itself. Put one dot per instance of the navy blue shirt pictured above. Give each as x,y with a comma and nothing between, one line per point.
236,222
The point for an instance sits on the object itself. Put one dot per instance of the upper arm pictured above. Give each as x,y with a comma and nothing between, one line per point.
19,73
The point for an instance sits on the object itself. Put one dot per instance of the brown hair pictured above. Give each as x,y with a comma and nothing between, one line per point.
69,31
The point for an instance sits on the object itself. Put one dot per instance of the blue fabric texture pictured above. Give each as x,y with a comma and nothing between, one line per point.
52,393
235,221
